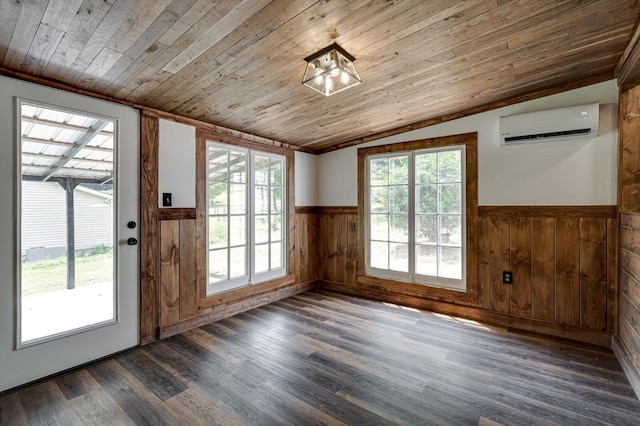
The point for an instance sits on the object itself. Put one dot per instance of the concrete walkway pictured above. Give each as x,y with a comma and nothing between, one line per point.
45,314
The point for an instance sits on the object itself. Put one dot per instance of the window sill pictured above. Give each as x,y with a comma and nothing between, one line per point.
423,291
245,292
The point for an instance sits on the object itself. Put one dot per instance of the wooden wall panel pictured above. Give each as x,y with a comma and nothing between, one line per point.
629,161
306,243
629,295
593,274
149,228
543,273
169,272
613,232
177,271
188,292
627,342
342,235
484,275
351,260
567,271
327,247
499,261
338,244
520,297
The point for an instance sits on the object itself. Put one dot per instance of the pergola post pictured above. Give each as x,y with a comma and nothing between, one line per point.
69,185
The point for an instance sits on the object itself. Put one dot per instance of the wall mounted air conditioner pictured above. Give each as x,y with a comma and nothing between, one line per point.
572,122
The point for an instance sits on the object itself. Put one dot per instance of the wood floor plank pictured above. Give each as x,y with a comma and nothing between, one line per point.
326,358
154,377
98,408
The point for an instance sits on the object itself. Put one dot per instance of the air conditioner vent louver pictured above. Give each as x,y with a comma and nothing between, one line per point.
561,123
548,135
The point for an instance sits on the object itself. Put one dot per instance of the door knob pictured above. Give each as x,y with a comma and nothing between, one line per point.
132,241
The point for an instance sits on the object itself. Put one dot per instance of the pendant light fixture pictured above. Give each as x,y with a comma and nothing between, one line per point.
330,71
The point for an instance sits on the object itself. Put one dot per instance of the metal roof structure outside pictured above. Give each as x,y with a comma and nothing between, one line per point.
59,144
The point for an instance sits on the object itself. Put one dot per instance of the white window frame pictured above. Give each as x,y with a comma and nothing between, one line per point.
411,276
251,277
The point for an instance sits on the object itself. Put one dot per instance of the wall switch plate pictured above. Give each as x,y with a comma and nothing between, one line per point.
166,199
507,277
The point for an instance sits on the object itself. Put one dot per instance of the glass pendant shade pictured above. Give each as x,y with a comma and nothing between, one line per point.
330,71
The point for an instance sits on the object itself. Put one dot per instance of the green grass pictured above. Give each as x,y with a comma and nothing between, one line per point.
51,274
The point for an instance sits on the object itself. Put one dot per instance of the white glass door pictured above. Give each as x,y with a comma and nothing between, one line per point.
74,296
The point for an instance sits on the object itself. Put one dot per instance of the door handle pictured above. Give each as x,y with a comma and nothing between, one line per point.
132,241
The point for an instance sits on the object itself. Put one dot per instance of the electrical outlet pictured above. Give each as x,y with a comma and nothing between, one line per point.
166,199
507,277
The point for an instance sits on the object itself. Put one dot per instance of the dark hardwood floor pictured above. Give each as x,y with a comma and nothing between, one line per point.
325,358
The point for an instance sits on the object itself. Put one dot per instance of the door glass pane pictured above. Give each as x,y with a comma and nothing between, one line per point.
237,198
426,168
262,200
237,167
66,222
379,254
276,255
399,257
261,176
399,228
261,229
237,234
218,230
218,265
450,262
426,260
426,199
218,167
426,228
237,262
449,166
379,227
451,230
218,198
399,199
276,172
379,172
228,207
379,199
276,228
399,170
276,200
262,258
450,198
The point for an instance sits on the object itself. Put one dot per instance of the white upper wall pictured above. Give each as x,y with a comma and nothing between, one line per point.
580,172
306,179
177,163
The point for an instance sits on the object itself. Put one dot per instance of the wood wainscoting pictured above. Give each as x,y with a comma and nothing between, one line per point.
563,260
178,306
627,346
627,340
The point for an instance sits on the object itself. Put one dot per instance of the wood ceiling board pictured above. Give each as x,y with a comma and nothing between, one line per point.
628,68
239,63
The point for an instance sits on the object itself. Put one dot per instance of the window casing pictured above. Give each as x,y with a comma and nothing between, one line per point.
246,213
415,214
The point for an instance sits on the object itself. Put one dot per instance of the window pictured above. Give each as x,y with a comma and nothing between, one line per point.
246,212
416,201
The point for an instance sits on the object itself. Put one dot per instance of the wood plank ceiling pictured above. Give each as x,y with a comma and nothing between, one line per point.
239,63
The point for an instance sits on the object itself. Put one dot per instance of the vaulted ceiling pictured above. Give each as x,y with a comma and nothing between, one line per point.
239,63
